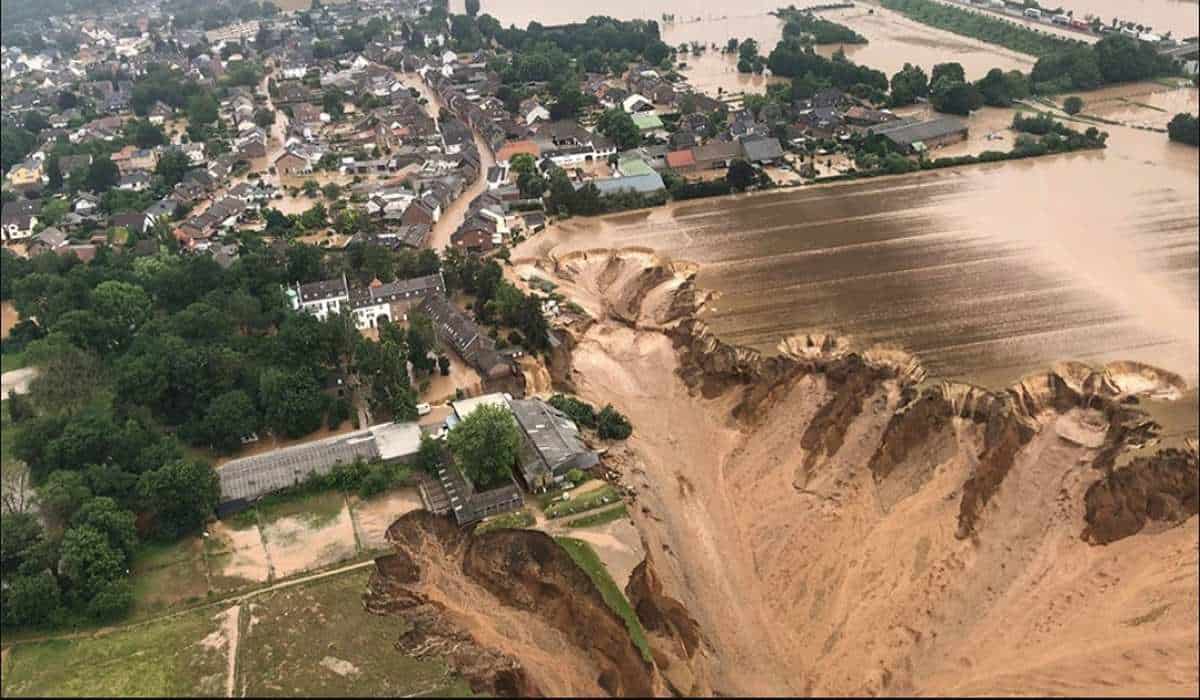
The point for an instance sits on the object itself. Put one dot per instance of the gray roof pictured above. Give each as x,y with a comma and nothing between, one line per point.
907,134
761,149
325,289
645,184
553,445
251,477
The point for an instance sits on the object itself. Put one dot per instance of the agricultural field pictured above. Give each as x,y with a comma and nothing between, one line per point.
316,639
186,655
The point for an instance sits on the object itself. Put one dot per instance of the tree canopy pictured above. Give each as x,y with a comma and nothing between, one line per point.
485,445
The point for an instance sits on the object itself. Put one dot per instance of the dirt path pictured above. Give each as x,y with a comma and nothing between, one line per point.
237,599
232,627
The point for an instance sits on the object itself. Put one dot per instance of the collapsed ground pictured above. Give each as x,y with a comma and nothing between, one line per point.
836,526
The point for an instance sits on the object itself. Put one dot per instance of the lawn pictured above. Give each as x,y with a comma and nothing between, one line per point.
11,360
168,575
600,517
587,559
508,521
316,509
6,434
593,499
315,639
165,659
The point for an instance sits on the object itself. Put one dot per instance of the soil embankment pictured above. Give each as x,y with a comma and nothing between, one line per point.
509,610
832,522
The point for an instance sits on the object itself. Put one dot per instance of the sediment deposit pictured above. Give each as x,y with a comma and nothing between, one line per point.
836,522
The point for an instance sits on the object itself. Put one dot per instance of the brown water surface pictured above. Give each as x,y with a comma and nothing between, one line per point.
985,272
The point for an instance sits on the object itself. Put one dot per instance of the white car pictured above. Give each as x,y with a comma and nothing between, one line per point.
423,409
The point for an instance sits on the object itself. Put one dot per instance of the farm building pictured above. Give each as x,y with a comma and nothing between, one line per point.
915,137
250,478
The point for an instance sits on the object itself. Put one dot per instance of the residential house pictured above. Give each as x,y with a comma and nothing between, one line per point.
762,150
456,330
531,111
18,219
28,173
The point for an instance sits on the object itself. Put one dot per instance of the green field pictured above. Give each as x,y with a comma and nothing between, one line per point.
602,517
168,575
587,559
509,521
166,659
316,639
602,496
11,360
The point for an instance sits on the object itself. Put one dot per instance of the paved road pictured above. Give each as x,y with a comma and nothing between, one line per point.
17,380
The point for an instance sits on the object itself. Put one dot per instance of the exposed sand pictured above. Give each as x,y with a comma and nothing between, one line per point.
295,544
238,554
8,318
821,581
373,517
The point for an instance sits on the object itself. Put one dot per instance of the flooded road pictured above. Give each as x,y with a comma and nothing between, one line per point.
1180,17
985,272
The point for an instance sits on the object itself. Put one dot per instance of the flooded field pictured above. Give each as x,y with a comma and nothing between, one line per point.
895,40
1180,17
985,272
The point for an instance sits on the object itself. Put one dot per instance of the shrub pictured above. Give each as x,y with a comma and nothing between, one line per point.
611,425
1073,104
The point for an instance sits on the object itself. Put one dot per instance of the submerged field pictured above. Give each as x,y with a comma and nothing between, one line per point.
985,272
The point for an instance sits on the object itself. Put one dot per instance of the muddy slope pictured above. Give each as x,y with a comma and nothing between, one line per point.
833,522
509,610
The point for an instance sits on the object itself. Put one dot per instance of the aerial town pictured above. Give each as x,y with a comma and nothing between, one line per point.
414,347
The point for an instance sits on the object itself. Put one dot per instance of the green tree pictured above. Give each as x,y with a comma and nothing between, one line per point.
331,190
1184,128
485,445
172,166
102,175
54,175
618,126
471,7
1073,104
126,305
314,217
114,522
112,601
292,402
431,454
63,493
952,71
740,174
89,562
611,425
20,533
909,83
31,600
952,97
182,494
202,109
230,417
147,135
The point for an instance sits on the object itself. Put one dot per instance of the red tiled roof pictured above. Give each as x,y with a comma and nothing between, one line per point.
512,148
680,159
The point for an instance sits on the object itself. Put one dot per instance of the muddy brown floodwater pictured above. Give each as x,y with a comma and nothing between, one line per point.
984,272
